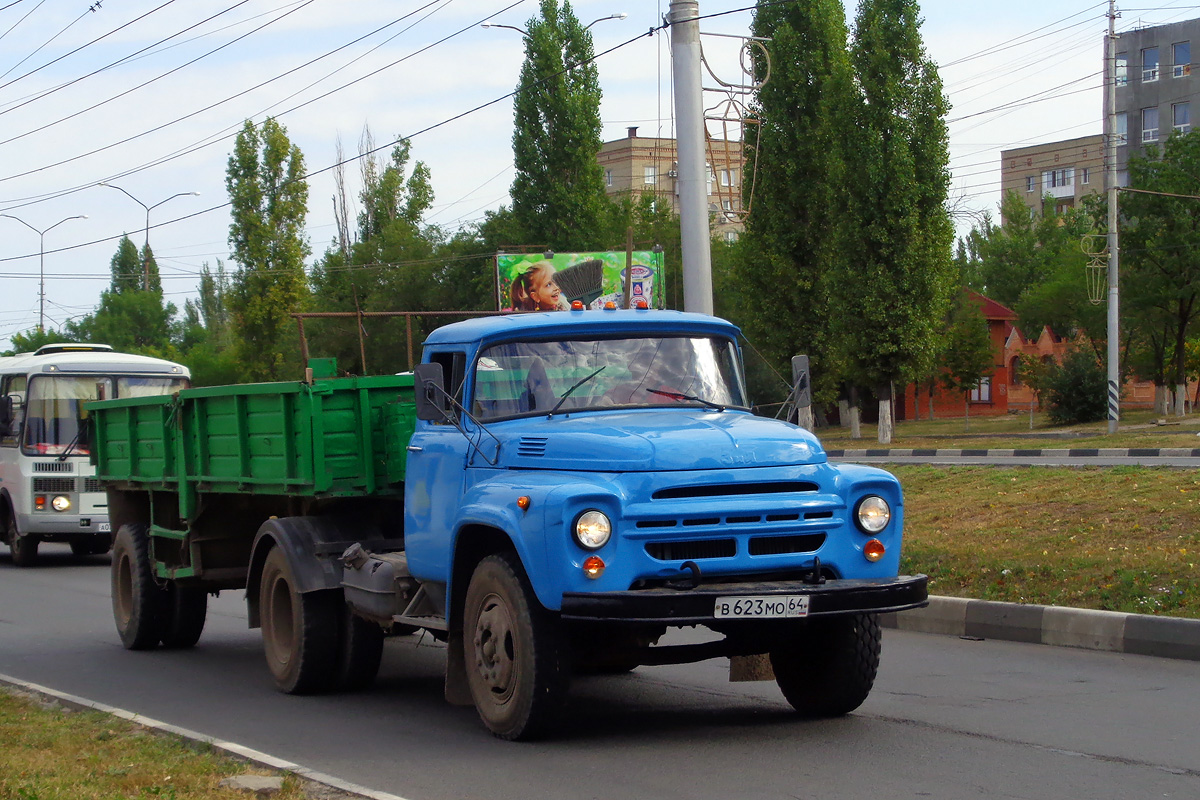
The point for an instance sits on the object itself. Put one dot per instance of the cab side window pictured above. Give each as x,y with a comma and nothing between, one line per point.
454,368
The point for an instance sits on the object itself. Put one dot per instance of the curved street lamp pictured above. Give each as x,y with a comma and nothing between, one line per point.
146,247
42,261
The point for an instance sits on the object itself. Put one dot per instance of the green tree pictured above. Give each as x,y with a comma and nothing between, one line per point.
30,340
892,294
795,237
558,192
967,356
130,318
269,199
206,334
1160,269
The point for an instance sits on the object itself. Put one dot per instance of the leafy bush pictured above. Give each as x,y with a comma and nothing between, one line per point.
1077,389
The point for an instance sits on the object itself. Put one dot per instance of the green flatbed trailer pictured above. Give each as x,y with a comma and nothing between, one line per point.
191,478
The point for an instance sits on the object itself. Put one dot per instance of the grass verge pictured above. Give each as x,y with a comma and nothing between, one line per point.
54,753
1117,538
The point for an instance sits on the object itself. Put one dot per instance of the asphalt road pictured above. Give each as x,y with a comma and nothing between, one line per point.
949,718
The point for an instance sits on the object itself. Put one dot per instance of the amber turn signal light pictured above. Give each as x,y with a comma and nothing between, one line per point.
593,567
874,550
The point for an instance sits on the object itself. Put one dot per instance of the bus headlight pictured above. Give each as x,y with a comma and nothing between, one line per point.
592,530
61,503
872,514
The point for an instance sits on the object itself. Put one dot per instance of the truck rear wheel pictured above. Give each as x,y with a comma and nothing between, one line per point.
186,610
300,631
360,651
139,604
514,658
828,669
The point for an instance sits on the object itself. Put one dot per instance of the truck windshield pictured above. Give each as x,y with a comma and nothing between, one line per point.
54,409
532,377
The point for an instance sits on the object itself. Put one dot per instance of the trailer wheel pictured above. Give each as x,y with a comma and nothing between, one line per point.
359,653
828,669
139,604
515,662
186,610
24,549
300,631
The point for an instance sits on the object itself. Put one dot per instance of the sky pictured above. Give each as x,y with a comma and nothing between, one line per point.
147,95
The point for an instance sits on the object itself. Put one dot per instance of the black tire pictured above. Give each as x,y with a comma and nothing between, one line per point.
90,547
185,612
139,603
828,669
514,656
300,631
359,652
24,549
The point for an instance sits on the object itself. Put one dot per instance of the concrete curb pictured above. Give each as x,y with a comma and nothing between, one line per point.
1142,634
233,749
1078,452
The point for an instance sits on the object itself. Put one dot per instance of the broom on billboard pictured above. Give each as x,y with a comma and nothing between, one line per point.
552,281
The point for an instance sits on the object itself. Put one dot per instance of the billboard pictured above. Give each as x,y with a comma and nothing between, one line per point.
533,282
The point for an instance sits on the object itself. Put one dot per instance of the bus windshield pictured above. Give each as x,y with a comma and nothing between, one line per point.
54,412
525,377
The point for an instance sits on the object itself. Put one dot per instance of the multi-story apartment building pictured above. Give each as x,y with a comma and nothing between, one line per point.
1155,91
638,164
1059,172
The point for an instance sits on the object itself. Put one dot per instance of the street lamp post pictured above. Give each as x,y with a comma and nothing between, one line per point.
525,33
42,261
146,246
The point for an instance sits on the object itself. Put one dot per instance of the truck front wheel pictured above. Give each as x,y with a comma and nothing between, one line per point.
829,668
514,657
300,631
139,604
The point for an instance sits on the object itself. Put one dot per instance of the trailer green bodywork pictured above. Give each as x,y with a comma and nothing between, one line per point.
276,447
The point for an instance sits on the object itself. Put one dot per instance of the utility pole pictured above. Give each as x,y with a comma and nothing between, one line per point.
684,18
1110,183
42,262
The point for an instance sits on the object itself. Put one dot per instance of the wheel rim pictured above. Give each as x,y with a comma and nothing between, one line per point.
280,630
495,648
124,589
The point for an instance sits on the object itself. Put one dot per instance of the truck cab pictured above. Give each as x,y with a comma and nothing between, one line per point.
612,461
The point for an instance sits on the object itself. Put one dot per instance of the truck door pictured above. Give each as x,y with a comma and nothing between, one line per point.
434,480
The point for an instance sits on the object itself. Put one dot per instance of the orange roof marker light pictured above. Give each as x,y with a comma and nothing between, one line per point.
610,306
577,305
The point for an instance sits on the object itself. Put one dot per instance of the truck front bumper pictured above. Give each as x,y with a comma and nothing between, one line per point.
696,606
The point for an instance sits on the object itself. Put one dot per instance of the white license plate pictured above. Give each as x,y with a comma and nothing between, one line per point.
765,607
104,527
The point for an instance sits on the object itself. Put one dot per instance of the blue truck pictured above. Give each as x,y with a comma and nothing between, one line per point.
548,494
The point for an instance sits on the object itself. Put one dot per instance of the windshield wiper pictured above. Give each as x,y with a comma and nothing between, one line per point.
576,385
692,398
71,445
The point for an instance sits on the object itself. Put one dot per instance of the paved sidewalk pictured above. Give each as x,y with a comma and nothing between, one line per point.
1143,634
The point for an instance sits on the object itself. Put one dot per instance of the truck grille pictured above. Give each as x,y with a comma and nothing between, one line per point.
691,551
779,545
734,489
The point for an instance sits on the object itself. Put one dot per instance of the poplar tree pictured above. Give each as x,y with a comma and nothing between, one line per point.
892,293
269,199
794,184
558,192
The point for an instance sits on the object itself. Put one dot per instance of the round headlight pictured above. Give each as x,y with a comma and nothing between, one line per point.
592,530
872,514
60,503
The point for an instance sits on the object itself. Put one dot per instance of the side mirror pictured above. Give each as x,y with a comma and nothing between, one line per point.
429,394
6,415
